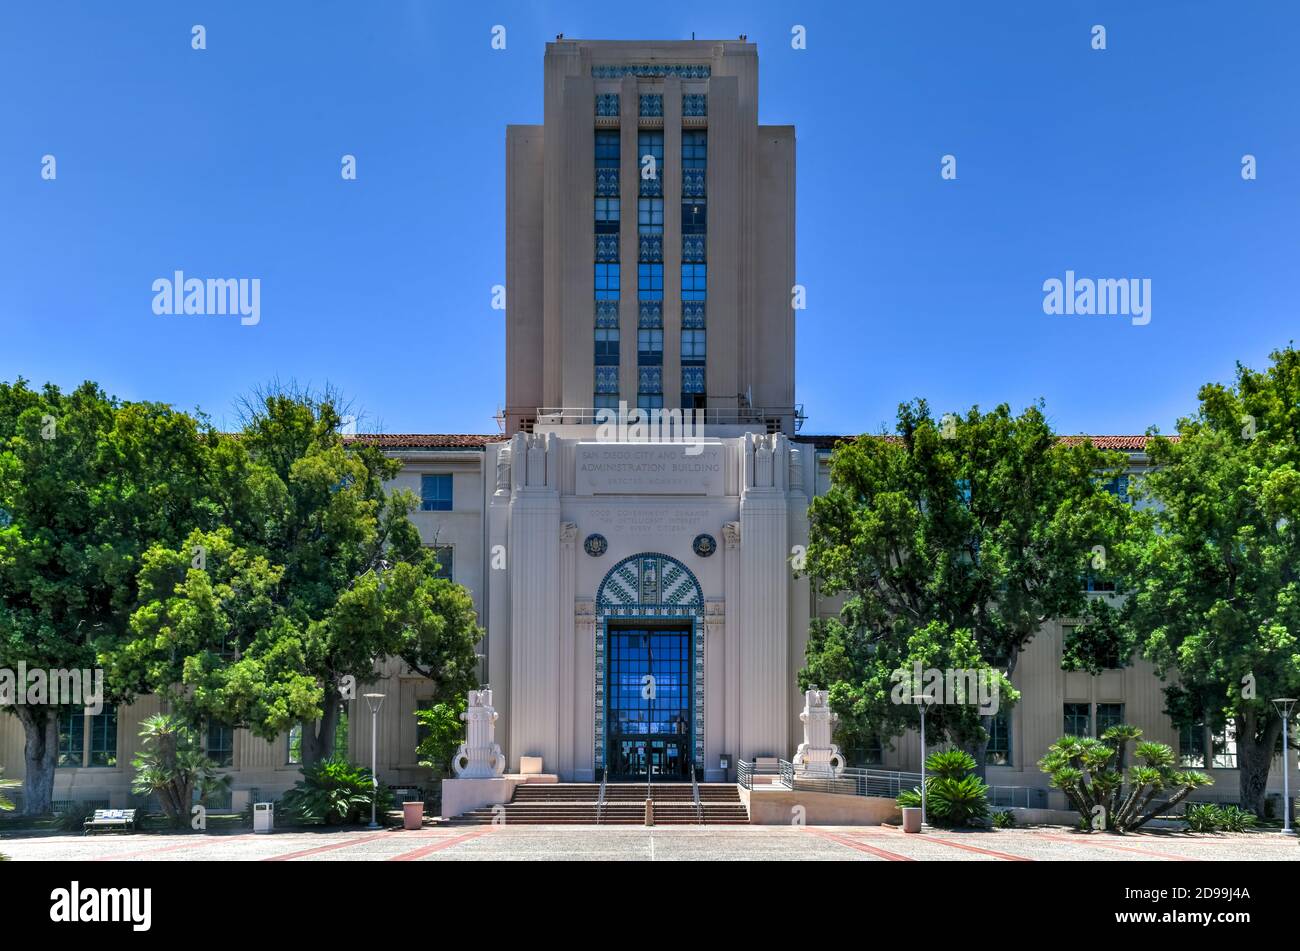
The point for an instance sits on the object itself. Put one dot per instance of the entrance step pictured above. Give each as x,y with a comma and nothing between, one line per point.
576,804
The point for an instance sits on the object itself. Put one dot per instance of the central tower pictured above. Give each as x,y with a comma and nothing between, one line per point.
650,239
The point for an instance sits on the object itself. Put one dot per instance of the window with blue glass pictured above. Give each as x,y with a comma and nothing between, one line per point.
694,161
435,493
606,281
649,731
650,163
607,346
694,281
650,215
650,281
650,346
607,215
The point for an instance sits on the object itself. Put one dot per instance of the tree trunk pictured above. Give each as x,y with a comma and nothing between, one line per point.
318,737
1254,758
979,750
40,754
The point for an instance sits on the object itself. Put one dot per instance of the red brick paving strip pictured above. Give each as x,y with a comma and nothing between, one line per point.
860,846
325,848
438,846
173,848
970,848
1082,840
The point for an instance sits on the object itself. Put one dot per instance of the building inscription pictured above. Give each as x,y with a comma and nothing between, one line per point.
649,469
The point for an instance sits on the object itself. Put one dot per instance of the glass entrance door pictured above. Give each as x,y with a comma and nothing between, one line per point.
648,721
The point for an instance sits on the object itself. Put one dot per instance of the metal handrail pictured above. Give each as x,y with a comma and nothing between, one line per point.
600,800
695,794
860,781
744,774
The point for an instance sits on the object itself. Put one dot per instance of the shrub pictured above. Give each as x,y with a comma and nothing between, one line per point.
1004,819
72,818
1207,817
1236,819
172,765
333,792
5,804
1201,817
954,797
1093,775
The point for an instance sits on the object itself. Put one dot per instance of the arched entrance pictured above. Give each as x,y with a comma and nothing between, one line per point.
649,676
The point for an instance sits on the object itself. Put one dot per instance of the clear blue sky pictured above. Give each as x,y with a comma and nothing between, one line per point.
225,163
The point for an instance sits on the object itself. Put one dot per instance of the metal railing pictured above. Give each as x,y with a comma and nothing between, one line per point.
600,799
884,783
713,416
695,795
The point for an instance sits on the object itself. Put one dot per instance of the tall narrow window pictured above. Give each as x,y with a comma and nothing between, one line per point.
694,275
650,163
72,736
219,744
998,752
103,737
605,284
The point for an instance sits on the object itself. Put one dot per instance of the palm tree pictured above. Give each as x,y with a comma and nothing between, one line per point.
172,765
1094,773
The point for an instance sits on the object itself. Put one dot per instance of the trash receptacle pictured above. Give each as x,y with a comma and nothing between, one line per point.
264,817
412,815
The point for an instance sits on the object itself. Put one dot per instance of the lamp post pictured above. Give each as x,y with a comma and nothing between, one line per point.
1284,705
920,700
376,701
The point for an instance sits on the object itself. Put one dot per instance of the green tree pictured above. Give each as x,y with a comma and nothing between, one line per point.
314,579
444,732
951,543
87,484
1215,598
1109,793
172,765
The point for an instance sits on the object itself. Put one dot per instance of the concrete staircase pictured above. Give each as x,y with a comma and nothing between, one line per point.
575,804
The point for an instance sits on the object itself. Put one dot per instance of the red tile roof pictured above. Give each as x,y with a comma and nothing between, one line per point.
827,442
1126,443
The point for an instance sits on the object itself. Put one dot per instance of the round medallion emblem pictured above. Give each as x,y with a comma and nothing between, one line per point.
595,545
704,545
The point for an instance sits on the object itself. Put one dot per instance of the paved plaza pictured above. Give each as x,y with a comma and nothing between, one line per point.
608,843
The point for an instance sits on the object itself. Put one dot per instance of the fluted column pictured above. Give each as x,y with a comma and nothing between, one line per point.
534,556
765,698
564,712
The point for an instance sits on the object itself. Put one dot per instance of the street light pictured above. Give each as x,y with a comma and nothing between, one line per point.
920,700
375,700
1284,705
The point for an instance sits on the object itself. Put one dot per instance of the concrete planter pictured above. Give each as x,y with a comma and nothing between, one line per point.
911,818
412,815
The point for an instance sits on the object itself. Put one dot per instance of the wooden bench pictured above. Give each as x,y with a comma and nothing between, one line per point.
111,819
